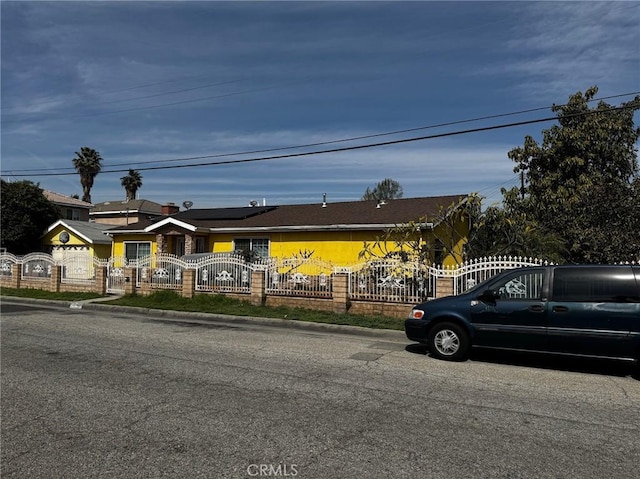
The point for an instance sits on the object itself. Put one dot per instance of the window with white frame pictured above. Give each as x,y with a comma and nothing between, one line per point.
135,250
258,247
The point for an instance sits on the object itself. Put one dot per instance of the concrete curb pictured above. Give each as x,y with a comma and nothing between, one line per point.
203,318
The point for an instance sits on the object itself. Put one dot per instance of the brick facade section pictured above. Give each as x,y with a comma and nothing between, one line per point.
444,287
340,293
188,283
258,288
130,280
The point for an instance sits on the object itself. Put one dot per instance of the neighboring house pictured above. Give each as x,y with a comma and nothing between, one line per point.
125,212
80,240
70,208
333,232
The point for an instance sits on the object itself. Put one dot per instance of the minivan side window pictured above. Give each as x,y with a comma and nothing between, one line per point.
525,285
594,285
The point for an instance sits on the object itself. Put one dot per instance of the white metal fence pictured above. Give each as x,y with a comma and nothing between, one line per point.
387,280
37,266
7,260
223,274
299,277
392,281
475,271
164,271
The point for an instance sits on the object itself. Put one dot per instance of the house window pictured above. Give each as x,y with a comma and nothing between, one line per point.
259,247
72,214
200,244
134,251
438,252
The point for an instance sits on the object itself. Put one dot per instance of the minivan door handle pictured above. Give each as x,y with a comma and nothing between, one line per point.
560,309
536,308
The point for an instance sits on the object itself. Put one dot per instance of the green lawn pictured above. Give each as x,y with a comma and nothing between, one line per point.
41,294
220,304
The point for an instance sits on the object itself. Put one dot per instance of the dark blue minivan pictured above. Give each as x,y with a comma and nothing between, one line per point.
585,310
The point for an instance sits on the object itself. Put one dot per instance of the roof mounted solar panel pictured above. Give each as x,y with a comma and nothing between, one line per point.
213,214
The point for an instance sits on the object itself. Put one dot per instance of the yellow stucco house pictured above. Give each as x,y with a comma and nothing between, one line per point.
332,232
80,238
77,244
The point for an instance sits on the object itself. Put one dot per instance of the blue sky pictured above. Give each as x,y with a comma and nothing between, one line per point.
147,82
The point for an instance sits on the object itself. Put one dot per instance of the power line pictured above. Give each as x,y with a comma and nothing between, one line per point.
143,97
151,107
110,92
351,148
308,145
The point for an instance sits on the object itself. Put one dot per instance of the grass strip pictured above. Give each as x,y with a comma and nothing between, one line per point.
41,294
220,304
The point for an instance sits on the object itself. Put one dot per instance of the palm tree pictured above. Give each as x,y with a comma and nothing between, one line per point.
88,165
131,183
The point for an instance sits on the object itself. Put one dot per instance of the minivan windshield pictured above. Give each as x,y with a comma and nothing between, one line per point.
481,285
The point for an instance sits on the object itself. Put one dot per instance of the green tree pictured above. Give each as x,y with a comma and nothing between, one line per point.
26,214
88,164
411,242
387,189
131,183
581,181
580,198
505,230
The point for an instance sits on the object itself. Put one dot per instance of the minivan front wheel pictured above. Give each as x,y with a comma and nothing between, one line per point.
449,341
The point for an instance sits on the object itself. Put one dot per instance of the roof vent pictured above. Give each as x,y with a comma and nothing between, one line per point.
324,200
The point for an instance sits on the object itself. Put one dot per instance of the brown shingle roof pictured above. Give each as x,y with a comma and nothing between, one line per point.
64,200
141,206
343,214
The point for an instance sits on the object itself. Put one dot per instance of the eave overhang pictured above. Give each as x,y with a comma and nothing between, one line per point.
335,227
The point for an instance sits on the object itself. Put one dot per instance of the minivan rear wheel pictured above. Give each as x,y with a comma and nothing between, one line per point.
448,341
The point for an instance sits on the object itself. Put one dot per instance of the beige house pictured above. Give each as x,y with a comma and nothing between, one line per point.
70,208
122,213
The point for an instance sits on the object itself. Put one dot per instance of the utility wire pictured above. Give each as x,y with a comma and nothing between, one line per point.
351,148
139,97
308,145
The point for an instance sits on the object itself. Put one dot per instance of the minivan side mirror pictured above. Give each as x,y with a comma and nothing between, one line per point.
489,295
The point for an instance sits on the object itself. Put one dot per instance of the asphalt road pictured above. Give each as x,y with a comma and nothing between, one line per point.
93,393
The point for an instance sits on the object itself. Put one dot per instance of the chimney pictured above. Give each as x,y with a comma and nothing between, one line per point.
170,209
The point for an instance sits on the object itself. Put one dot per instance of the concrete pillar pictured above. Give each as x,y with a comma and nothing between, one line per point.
340,293
258,288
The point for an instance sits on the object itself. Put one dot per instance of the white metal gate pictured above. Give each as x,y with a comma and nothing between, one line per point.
115,276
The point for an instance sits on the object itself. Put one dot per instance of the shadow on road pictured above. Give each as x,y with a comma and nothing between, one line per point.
544,361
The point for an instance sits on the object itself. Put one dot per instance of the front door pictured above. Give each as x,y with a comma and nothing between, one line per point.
517,318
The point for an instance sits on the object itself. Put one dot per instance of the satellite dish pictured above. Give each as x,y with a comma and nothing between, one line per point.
253,203
187,204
